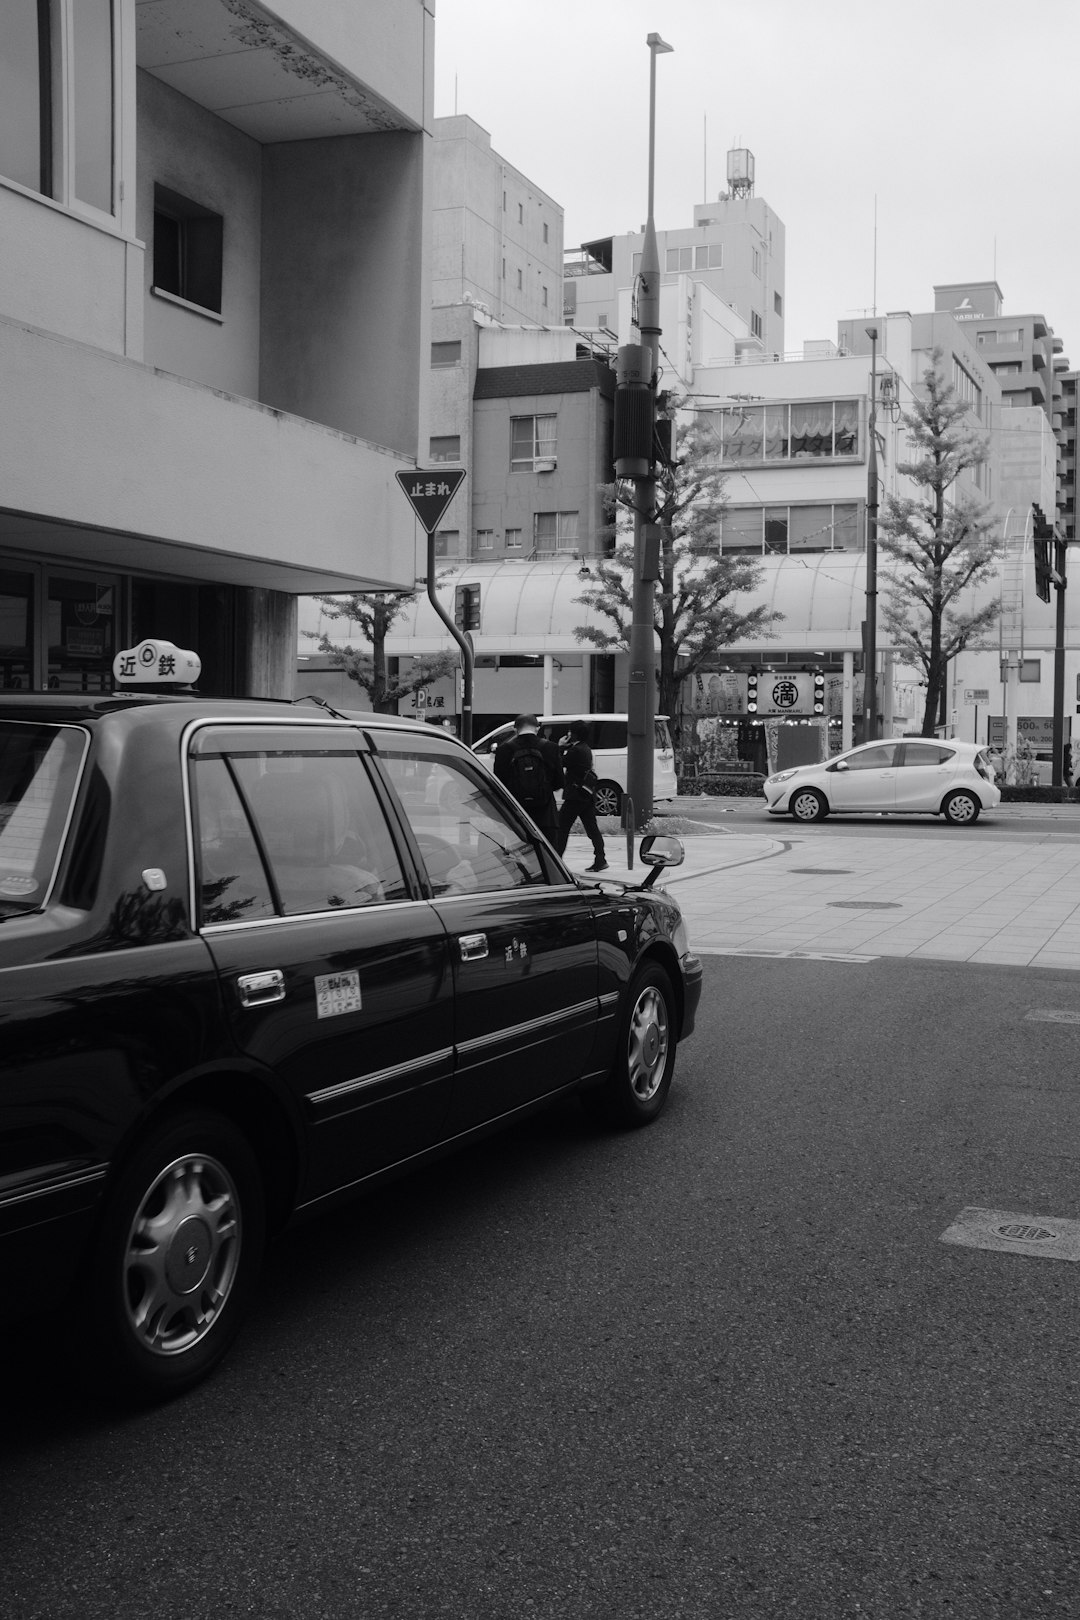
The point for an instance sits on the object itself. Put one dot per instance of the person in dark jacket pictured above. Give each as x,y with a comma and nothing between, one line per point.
578,802
531,768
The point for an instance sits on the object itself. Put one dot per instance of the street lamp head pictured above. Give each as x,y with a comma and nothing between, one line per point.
655,43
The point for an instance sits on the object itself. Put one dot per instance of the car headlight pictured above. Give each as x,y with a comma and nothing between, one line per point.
782,776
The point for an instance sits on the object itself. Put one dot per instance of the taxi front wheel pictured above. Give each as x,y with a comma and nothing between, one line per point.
637,1087
176,1259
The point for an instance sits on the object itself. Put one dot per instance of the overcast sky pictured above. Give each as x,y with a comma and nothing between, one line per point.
961,117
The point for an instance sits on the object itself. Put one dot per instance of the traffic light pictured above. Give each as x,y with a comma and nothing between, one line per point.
819,694
467,607
751,693
1044,533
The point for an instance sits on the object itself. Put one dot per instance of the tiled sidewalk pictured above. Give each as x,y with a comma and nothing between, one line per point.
961,897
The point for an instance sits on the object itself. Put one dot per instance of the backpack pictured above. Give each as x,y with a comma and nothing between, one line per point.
528,772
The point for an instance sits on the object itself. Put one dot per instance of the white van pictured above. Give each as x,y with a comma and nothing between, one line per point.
607,739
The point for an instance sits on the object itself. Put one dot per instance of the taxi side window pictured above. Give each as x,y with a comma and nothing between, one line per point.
233,886
322,828
467,842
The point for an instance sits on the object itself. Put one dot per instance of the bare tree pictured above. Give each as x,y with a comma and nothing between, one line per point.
940,543
695,614
374,612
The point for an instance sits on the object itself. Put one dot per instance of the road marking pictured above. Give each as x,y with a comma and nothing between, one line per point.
806,956
1043,1237
1050,1015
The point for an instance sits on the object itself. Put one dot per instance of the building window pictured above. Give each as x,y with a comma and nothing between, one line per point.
448,543
445,447
513,539
485,539
446,354
545,233
1011,368
543,298
716,255
755,323
521,214
967,389
555,531
679,259
532,440
187,250
755,260
777,304
825,526
803,430
701,258
1031,669
635,265
58,100
519,280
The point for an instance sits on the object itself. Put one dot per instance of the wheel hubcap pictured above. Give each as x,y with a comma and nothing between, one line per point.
182,1254
648,1044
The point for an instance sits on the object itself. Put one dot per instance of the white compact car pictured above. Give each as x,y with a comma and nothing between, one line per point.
607,739
904,776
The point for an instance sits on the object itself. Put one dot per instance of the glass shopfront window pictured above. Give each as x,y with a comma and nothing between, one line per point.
16,631
81,633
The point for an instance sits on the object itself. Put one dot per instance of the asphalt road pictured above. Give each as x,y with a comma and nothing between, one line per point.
722,1368
1033,823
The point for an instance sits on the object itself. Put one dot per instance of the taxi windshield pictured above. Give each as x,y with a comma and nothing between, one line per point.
39,771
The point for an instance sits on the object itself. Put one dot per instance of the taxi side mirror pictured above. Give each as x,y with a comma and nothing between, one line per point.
659,850
841,765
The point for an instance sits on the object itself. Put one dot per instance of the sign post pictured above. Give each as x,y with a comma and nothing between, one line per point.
429,491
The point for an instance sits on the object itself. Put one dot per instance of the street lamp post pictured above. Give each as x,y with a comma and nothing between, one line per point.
641,684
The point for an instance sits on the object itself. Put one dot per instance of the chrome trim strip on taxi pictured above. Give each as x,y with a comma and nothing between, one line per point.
395,1072
512,1031
610,999
76,1178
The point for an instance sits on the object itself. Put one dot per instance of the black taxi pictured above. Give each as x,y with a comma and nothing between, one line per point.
254,955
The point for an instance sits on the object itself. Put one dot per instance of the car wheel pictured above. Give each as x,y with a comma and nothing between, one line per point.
961,809
807,804
607,799
176,1259
637,1087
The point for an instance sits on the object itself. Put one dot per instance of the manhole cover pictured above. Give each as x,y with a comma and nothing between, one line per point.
866,905
823,871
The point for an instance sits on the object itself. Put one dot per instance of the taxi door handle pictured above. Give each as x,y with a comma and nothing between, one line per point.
259,989
472,946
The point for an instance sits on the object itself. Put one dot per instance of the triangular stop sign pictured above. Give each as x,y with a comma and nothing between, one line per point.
429,491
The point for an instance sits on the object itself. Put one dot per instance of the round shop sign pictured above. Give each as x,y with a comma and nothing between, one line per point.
785,695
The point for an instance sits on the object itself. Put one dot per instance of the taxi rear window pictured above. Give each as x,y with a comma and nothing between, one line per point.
39,773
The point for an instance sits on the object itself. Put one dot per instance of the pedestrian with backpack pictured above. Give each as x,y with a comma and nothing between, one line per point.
531,768
579,795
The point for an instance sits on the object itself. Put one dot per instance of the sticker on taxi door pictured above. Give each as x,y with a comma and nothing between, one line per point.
337,993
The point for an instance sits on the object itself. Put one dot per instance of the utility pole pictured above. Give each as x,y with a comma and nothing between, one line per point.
870,726
634,434
1050,571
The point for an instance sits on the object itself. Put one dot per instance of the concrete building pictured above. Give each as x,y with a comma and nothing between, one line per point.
213,324
734,248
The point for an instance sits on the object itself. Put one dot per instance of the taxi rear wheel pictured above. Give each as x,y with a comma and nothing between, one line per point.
637,1087
176,1259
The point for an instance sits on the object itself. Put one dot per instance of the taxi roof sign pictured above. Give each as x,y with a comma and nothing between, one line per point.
429,491
156,663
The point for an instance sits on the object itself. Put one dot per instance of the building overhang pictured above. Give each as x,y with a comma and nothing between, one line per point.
243,64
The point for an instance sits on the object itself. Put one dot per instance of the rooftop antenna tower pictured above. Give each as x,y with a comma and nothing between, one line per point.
740,172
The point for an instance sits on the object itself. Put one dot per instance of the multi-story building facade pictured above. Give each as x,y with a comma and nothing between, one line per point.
213,324
735,248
